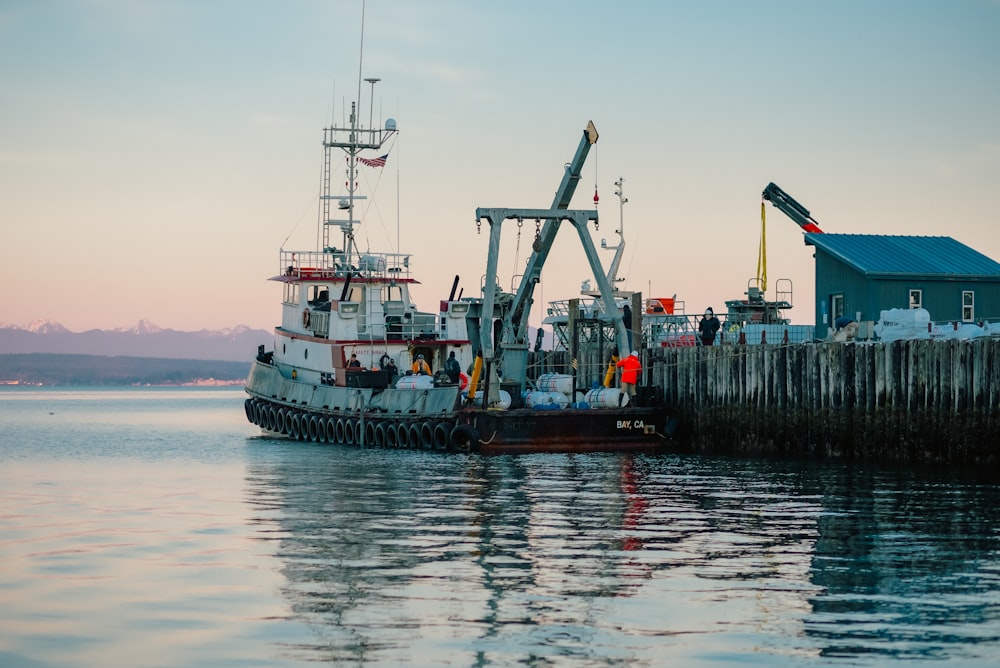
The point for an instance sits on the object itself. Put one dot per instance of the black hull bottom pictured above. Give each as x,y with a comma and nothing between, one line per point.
520,431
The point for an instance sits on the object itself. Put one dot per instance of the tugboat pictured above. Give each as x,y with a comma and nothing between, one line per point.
352,358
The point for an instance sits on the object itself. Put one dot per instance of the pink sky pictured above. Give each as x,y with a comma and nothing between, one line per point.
154,156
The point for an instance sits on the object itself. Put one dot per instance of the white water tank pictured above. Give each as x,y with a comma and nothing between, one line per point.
555,382
607,397
538,398
415,382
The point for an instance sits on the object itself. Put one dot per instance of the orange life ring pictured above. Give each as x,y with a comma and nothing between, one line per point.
305,318
463,382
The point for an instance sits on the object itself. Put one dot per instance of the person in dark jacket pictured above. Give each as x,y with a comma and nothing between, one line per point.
708,327
392,369
452,367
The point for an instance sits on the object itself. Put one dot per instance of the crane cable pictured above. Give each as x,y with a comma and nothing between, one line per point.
762,251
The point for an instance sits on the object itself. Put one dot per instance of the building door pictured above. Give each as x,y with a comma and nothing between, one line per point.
836,307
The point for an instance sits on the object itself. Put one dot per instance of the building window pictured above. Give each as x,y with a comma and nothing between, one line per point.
916,298
968,306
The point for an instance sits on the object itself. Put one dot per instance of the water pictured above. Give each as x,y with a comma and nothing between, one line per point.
155,527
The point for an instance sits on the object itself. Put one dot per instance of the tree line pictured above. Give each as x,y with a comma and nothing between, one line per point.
59,369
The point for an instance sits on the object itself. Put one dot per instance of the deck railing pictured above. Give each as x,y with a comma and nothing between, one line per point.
320,265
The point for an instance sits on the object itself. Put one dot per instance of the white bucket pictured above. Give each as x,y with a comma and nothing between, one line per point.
555,382
607,397
415,383
536,399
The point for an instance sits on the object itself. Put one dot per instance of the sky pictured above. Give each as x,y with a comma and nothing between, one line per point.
156,154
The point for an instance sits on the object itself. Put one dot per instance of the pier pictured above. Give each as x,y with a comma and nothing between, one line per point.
923,401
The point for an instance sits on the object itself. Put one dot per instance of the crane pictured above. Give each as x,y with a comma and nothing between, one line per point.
510,343
784,203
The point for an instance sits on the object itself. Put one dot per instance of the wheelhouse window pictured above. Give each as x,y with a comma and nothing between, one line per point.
319,295
916,298
291,293
968,306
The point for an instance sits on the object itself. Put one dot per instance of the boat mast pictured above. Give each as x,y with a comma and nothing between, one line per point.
351,139
620,248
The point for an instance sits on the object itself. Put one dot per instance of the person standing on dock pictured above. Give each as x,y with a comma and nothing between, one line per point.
708,327
630,367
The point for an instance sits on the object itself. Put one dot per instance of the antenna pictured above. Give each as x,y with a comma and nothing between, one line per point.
371,104
361,53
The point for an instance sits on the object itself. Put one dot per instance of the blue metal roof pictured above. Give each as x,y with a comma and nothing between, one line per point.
873,254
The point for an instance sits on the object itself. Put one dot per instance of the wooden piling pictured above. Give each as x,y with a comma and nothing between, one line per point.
926,401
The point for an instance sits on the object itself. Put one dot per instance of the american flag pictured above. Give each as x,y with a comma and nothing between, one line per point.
377,162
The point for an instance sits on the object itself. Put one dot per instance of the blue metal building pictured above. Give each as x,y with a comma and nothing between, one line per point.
859,275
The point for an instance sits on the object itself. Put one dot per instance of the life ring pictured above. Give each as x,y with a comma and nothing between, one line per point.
463,382
306,318
463,437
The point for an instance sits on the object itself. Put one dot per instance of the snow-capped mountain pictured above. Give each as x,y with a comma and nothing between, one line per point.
141,327
38,327
144,339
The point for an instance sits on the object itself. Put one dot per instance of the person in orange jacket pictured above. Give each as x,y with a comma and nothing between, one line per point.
630,367
420,366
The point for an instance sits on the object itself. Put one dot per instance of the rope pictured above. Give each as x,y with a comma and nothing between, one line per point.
732,351
762,251
371,200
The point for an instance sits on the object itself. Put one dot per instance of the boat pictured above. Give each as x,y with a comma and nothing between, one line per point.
662,321
348,320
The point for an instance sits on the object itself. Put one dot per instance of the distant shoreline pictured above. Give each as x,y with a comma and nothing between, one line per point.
56,369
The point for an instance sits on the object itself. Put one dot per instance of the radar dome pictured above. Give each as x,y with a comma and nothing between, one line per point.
390,124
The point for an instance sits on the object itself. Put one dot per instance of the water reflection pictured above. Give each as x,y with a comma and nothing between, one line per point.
908,566
401,556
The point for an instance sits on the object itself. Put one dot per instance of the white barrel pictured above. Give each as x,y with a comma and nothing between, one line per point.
555,382
535,399
415,383
607,397
503,396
